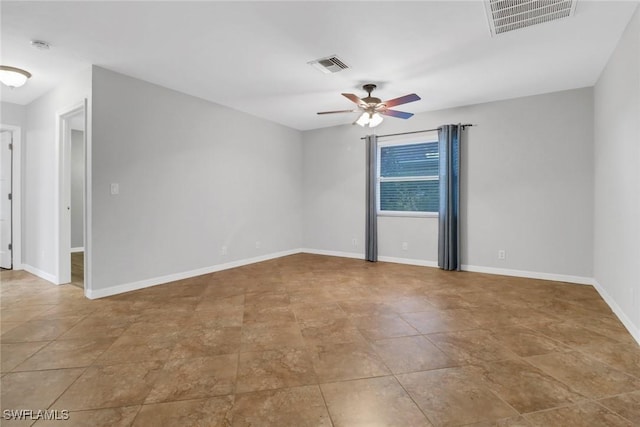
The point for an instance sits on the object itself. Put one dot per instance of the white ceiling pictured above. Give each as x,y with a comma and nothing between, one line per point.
252,56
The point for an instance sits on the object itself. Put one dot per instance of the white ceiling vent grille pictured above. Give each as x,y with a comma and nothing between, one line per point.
509,15
330,64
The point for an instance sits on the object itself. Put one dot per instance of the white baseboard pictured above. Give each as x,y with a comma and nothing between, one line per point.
128,287
530,274
79,249
633,329
332,253
41,274
354,255
408,261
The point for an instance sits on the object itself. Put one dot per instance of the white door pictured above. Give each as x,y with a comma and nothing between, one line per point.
6,258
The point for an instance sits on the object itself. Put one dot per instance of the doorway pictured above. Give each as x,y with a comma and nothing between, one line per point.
6,199
10,206
72,190
77,198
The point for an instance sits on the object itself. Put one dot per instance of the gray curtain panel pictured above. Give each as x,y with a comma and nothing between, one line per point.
449,214
371,235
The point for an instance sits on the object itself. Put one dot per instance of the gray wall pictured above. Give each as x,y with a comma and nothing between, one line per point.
617,178
77,189
194,176
527,186
13,114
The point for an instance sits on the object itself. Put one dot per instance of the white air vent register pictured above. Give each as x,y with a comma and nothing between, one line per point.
330,64
509,15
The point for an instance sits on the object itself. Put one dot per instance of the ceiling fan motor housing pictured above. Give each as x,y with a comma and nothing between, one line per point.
371,100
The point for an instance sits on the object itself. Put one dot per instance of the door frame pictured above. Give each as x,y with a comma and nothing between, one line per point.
16,195
63,192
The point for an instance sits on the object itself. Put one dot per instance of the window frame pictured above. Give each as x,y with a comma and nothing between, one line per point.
431,137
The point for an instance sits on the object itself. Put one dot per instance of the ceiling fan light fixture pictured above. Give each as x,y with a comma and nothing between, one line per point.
363,120
375,120
13,77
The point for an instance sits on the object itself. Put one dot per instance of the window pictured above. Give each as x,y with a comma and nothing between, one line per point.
408,182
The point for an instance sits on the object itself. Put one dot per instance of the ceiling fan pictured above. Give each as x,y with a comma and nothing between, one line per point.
373,108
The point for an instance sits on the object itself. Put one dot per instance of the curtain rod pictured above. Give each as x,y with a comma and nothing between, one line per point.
415,131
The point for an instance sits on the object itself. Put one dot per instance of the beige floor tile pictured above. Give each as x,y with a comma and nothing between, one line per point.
132,348
525,342
207,342
112,417
317,312
429,322
449,301
583,414
609,326
473,346
411,354
519,421
214,303
97,327
39,330
22,314
224,316
263,337
571,334
373,401
297,406
278,368
7,326
148,324
182,379
627,405
271,316
345,361
585,375
410,304
330,331
259,301
379,327
110,386
214,411
525,387
12,354
309,319
366,308
623,357
35,390
66,354
451,396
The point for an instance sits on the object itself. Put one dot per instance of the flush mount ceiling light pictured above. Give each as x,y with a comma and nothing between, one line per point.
13,77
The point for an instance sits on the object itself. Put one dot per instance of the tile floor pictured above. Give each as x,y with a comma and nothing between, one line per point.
310,340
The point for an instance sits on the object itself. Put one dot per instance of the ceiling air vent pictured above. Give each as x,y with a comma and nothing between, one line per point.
509,15
330,64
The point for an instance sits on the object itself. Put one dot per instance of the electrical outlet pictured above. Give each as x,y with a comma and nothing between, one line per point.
224,251
115,189
354,242
405,246
502,254
258,244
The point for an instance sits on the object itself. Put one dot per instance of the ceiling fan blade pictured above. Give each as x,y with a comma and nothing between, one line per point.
402,100
339,111
354,98
396,113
